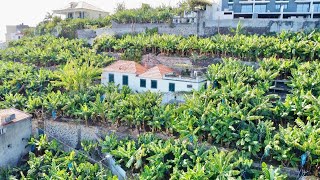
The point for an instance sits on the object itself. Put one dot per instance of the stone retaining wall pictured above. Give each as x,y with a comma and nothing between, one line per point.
206,27
150,60
259,26
121,29
72,134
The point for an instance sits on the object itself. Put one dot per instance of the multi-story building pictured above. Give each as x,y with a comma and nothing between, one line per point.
267,9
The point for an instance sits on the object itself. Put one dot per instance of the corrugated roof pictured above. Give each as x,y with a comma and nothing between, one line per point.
19,115
81,5
126,67
157,72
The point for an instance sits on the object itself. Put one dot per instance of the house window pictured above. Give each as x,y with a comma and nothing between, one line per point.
172,87
316,7
70,15
278,6
230,7
125,80
111,77
154,84
143,83
189,86
260,8
246,8
304,7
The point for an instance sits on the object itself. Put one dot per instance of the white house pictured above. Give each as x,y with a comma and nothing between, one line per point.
15,32
81,10
15,132
159,78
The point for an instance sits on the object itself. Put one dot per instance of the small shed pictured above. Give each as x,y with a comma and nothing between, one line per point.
15,132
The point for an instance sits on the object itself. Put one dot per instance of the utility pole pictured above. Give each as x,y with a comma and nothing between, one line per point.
218,24
198,19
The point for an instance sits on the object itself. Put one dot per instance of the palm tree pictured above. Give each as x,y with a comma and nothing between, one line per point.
48,17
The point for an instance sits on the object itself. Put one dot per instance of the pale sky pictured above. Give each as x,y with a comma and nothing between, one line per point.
31,12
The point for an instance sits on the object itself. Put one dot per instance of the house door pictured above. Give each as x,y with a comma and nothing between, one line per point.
70,15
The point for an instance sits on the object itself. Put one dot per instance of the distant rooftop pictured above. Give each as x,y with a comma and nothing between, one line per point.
19,115
80,6
157,72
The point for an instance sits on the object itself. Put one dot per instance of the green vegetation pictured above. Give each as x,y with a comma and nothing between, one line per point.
237,111
50,51
48,161
145,14
154,158
304,47
67,28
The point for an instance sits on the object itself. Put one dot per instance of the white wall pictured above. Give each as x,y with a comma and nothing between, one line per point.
13,143
162,85
134,82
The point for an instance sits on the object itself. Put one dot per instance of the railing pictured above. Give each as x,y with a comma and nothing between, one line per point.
186,79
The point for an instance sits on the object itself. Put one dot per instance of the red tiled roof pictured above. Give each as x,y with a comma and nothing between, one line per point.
157,72
126,67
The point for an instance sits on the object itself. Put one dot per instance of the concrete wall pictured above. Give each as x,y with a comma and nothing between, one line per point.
13,143
259,26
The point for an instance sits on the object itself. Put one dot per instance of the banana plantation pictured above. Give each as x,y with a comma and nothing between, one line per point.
48,161
301,46
154,158
58,78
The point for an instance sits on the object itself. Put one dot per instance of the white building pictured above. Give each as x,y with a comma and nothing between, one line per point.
81,10
156,79
15,32
15,132
188,17
265,9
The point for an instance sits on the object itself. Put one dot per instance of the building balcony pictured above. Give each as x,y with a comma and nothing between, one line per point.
302,1
282,1
253,1
194,79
